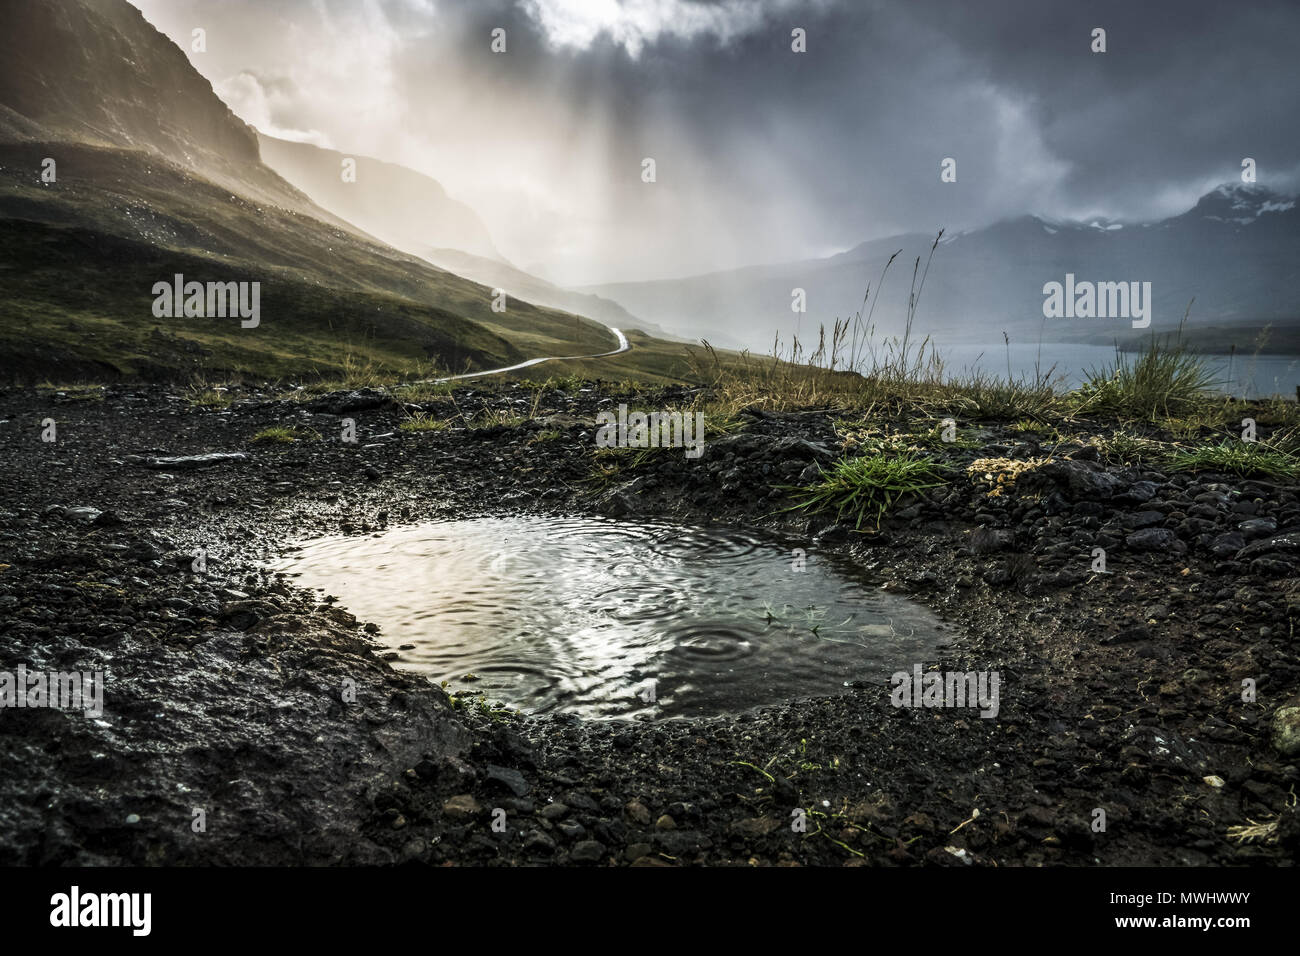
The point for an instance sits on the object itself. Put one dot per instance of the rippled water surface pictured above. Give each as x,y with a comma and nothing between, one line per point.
611,619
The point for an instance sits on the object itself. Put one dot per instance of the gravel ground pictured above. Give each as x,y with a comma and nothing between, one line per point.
247,721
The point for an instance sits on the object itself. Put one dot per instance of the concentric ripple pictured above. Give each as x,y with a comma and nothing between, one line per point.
611,619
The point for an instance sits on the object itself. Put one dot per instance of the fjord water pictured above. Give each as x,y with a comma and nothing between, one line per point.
1246,376
613,619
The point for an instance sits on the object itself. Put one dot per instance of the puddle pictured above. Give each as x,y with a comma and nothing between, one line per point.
609,619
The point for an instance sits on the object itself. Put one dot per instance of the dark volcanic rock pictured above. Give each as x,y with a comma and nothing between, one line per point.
1283,545
1145,519
1084,479
1254,528
1227,545
1154,539
345,403
512,780
1140,492
587,851
187,462
991,540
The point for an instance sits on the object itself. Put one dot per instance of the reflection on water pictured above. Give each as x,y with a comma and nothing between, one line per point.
609,619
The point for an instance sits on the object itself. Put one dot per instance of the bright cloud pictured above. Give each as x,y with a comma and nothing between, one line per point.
632,24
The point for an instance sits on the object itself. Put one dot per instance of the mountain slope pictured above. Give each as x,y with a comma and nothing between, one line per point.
156,177
96,72
80,260
1237,252
413,212
519,284
400,206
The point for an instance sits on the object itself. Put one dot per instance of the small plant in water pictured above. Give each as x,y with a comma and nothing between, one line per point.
813,618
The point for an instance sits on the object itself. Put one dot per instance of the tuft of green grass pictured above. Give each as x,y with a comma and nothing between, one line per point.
1126,448
933,436
1045,432
984,396
866,487
553,383
612,464
1164,380
495,417
208,397
1287,440
424,391
422,422
1245,459
717,424
284,435
75,393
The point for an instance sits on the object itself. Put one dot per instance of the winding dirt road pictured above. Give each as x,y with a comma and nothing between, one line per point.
623,346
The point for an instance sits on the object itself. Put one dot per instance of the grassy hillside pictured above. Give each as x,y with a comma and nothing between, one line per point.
81,255
156,176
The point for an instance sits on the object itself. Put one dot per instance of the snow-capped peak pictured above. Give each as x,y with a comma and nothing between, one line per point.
1242,203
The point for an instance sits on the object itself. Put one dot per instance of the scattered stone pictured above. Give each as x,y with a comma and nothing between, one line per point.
1227,545
637,812
1138,493
188,462
344,403
1255,528
1285,731
1154,539
991,540
635,851
538,842
1084,479
461,807
587,851
512,780
1288,542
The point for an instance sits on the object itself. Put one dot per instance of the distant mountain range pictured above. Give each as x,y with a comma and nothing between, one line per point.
154,177
1237,252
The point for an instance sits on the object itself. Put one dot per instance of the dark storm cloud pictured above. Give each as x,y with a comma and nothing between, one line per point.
1183,93
766,154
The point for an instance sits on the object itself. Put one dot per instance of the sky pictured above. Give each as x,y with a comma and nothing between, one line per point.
763,154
